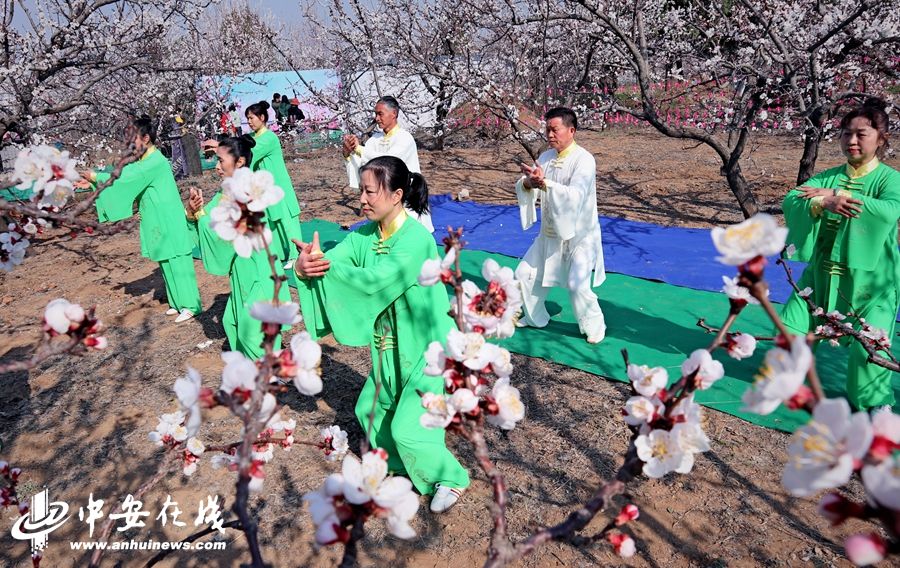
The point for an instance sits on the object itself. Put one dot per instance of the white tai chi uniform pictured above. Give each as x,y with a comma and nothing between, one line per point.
399,143
569,247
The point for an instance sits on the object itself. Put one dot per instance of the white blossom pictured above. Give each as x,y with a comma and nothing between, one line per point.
336,442
882,481
287,313
187,389
647,381
440,408
239,373
492,311
510,407
228,221
12,250
170,427
255,189
759,235
822,453
782,373
640,410
367,480
307,358
660,453
737,292
434,269
708,369
61,316
741,346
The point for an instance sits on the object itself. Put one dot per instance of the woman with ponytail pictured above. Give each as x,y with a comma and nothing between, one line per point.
165,237
365,291
843,221
250,278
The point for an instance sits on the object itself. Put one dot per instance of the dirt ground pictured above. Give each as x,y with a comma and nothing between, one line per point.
79,425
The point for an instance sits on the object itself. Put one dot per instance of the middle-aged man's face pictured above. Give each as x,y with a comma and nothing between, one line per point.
558,134
385,118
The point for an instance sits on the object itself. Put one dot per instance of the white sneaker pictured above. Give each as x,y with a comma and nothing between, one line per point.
444,498
185,315
171,312
597,337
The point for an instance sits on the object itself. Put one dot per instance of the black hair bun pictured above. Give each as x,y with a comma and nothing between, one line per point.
875,103
265,104
249,140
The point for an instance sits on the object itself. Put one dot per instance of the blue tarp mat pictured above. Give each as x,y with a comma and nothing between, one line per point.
683,257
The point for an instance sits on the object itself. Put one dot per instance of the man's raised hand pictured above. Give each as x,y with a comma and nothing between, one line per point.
350,144
534,176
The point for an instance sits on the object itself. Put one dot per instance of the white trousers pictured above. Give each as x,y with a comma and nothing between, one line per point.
577,265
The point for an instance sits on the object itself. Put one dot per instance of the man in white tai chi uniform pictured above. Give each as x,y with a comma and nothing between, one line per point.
389,140
568,248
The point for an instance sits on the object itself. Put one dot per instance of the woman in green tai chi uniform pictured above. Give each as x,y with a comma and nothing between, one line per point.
365,291
284,216
250,278
165,237
843,221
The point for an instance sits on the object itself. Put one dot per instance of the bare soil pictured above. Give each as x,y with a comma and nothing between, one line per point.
79,425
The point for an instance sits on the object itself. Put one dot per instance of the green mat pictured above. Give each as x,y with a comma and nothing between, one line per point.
13,193
656,322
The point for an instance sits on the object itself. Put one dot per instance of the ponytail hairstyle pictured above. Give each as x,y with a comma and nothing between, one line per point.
143,126
239,147
873,109
260,109
391,174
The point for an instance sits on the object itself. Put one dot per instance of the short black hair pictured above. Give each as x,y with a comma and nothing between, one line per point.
568,116
144,127
389,102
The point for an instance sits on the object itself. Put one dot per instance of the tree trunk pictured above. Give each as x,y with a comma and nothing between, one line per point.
812,137
192,154
441,111
741,190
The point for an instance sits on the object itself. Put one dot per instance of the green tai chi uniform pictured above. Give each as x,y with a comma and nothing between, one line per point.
371,296
854,264
251,282
284,216
165,237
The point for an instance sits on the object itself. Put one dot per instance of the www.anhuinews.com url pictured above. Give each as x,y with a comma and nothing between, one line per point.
147,545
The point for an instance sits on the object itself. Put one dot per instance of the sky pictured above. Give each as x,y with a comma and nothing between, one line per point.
287,11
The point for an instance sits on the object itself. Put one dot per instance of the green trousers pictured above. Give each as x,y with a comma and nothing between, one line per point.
283,230
244,332
868,385
868,294
414,451
181,283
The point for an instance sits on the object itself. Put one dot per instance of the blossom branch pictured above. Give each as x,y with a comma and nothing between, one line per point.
171,458
872,349
68,328
701,323
499,540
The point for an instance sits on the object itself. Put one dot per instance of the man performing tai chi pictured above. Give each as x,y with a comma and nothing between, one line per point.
568,248
390,139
